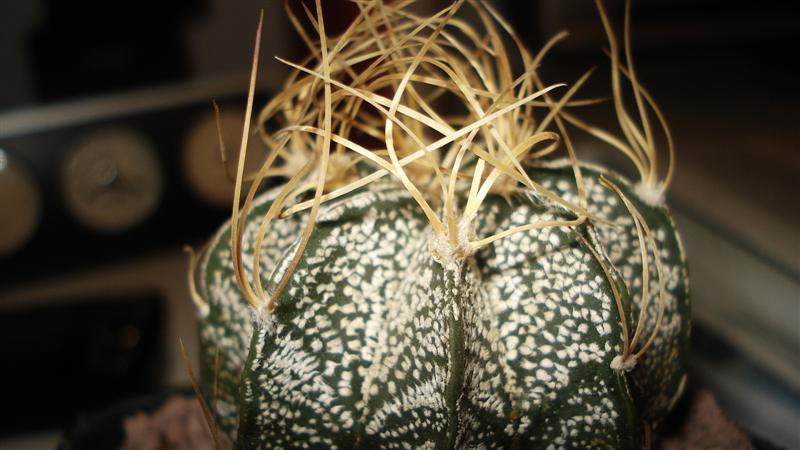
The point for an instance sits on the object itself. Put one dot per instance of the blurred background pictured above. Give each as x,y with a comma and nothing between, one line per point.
109,164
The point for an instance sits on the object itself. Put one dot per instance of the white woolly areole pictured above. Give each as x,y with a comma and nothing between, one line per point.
203,310
651,195
444,252
263,317
623,365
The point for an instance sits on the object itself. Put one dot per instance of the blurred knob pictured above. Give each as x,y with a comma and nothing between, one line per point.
202,161
20,205
112,180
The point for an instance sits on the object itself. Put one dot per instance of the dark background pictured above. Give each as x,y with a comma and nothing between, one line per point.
115,302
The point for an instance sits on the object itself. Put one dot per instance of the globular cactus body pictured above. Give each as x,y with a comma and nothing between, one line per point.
450,288
376,344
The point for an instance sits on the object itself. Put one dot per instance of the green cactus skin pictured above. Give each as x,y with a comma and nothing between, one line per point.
660,375
375,344
225,328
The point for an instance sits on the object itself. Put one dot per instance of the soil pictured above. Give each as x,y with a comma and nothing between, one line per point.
705,426
179,425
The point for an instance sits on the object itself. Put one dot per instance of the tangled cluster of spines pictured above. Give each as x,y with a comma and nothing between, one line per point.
639,144
499,126
423,60
498,129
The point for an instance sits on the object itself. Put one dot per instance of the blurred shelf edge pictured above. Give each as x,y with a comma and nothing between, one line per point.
763,232
743,251
38,119
32,441
746,391
163,272
743,298
46,138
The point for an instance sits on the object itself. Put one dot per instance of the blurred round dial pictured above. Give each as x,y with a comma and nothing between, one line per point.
20,203
202,161
112,180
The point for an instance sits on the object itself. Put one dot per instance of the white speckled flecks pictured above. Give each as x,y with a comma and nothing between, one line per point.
226,329
660,376
376,345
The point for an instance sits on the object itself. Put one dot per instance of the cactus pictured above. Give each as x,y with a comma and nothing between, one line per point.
454,286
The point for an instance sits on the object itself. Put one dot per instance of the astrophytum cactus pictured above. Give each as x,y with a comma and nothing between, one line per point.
431,275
